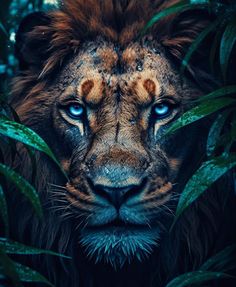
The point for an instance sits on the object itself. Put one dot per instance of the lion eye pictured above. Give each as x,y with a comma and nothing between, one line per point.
162,110
75,111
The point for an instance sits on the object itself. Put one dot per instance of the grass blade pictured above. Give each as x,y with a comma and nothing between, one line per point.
187,279
215,131
179,7
201,110
227,90
9,269
203,178
226,46
24,186
196,44
27,136
27,274
12,247
223,261
3,210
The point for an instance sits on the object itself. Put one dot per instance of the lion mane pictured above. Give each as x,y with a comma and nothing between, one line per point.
46,43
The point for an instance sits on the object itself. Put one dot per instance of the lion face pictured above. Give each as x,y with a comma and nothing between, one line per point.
105,118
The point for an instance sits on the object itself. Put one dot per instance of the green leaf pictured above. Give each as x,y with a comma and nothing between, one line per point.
215,131
226,46
3,210
24,186
227,90
223,261
8,268
179,7
27,136
196,43
187,279
227,139
27,274
203,178
203,109
12,247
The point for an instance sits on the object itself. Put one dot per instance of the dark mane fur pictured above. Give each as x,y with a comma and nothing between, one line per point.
204,228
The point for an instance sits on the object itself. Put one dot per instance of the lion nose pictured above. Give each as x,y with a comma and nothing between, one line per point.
117,183
116,196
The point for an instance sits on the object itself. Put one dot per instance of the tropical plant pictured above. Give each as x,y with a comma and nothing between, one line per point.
219,150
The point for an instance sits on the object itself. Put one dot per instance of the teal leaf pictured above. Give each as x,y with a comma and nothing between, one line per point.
227,90
223,261
3,210
203,178
27,274
27,136
196,43
203,109
179,7
190,278
226,46
12,247
8,268
215,131
24,186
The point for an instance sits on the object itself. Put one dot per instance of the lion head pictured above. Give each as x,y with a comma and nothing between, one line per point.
103,98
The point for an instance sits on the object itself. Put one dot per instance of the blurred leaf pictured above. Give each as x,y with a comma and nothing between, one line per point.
187,279
201,110
9,269
215,131
179,7
226,46
3,210
196,43
27,274
214,47
24,186
227,90
3,29
223,261
203,178
12,247
228,138
27,136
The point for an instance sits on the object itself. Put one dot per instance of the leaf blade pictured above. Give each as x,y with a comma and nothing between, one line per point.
27,136
4,211
198,112
13,247
203,178
24,186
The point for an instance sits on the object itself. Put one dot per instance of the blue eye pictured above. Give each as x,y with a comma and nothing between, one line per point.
162,110
75,111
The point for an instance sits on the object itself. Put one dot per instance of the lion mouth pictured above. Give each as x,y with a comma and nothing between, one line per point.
117,224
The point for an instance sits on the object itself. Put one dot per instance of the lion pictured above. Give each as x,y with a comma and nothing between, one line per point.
102,94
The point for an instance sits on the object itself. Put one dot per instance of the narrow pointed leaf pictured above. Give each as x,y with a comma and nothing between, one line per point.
226,46
27,136
27,274
190,278
3,210
215,131
196,43
12,247
179,7
201,110
8,268
223,261
227,90
203,178
24,186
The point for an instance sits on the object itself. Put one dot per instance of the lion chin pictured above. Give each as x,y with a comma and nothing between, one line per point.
119,245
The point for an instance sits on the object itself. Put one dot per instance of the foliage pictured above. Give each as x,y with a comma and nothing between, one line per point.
220,144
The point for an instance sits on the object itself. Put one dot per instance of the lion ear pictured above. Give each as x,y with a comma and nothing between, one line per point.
31,45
